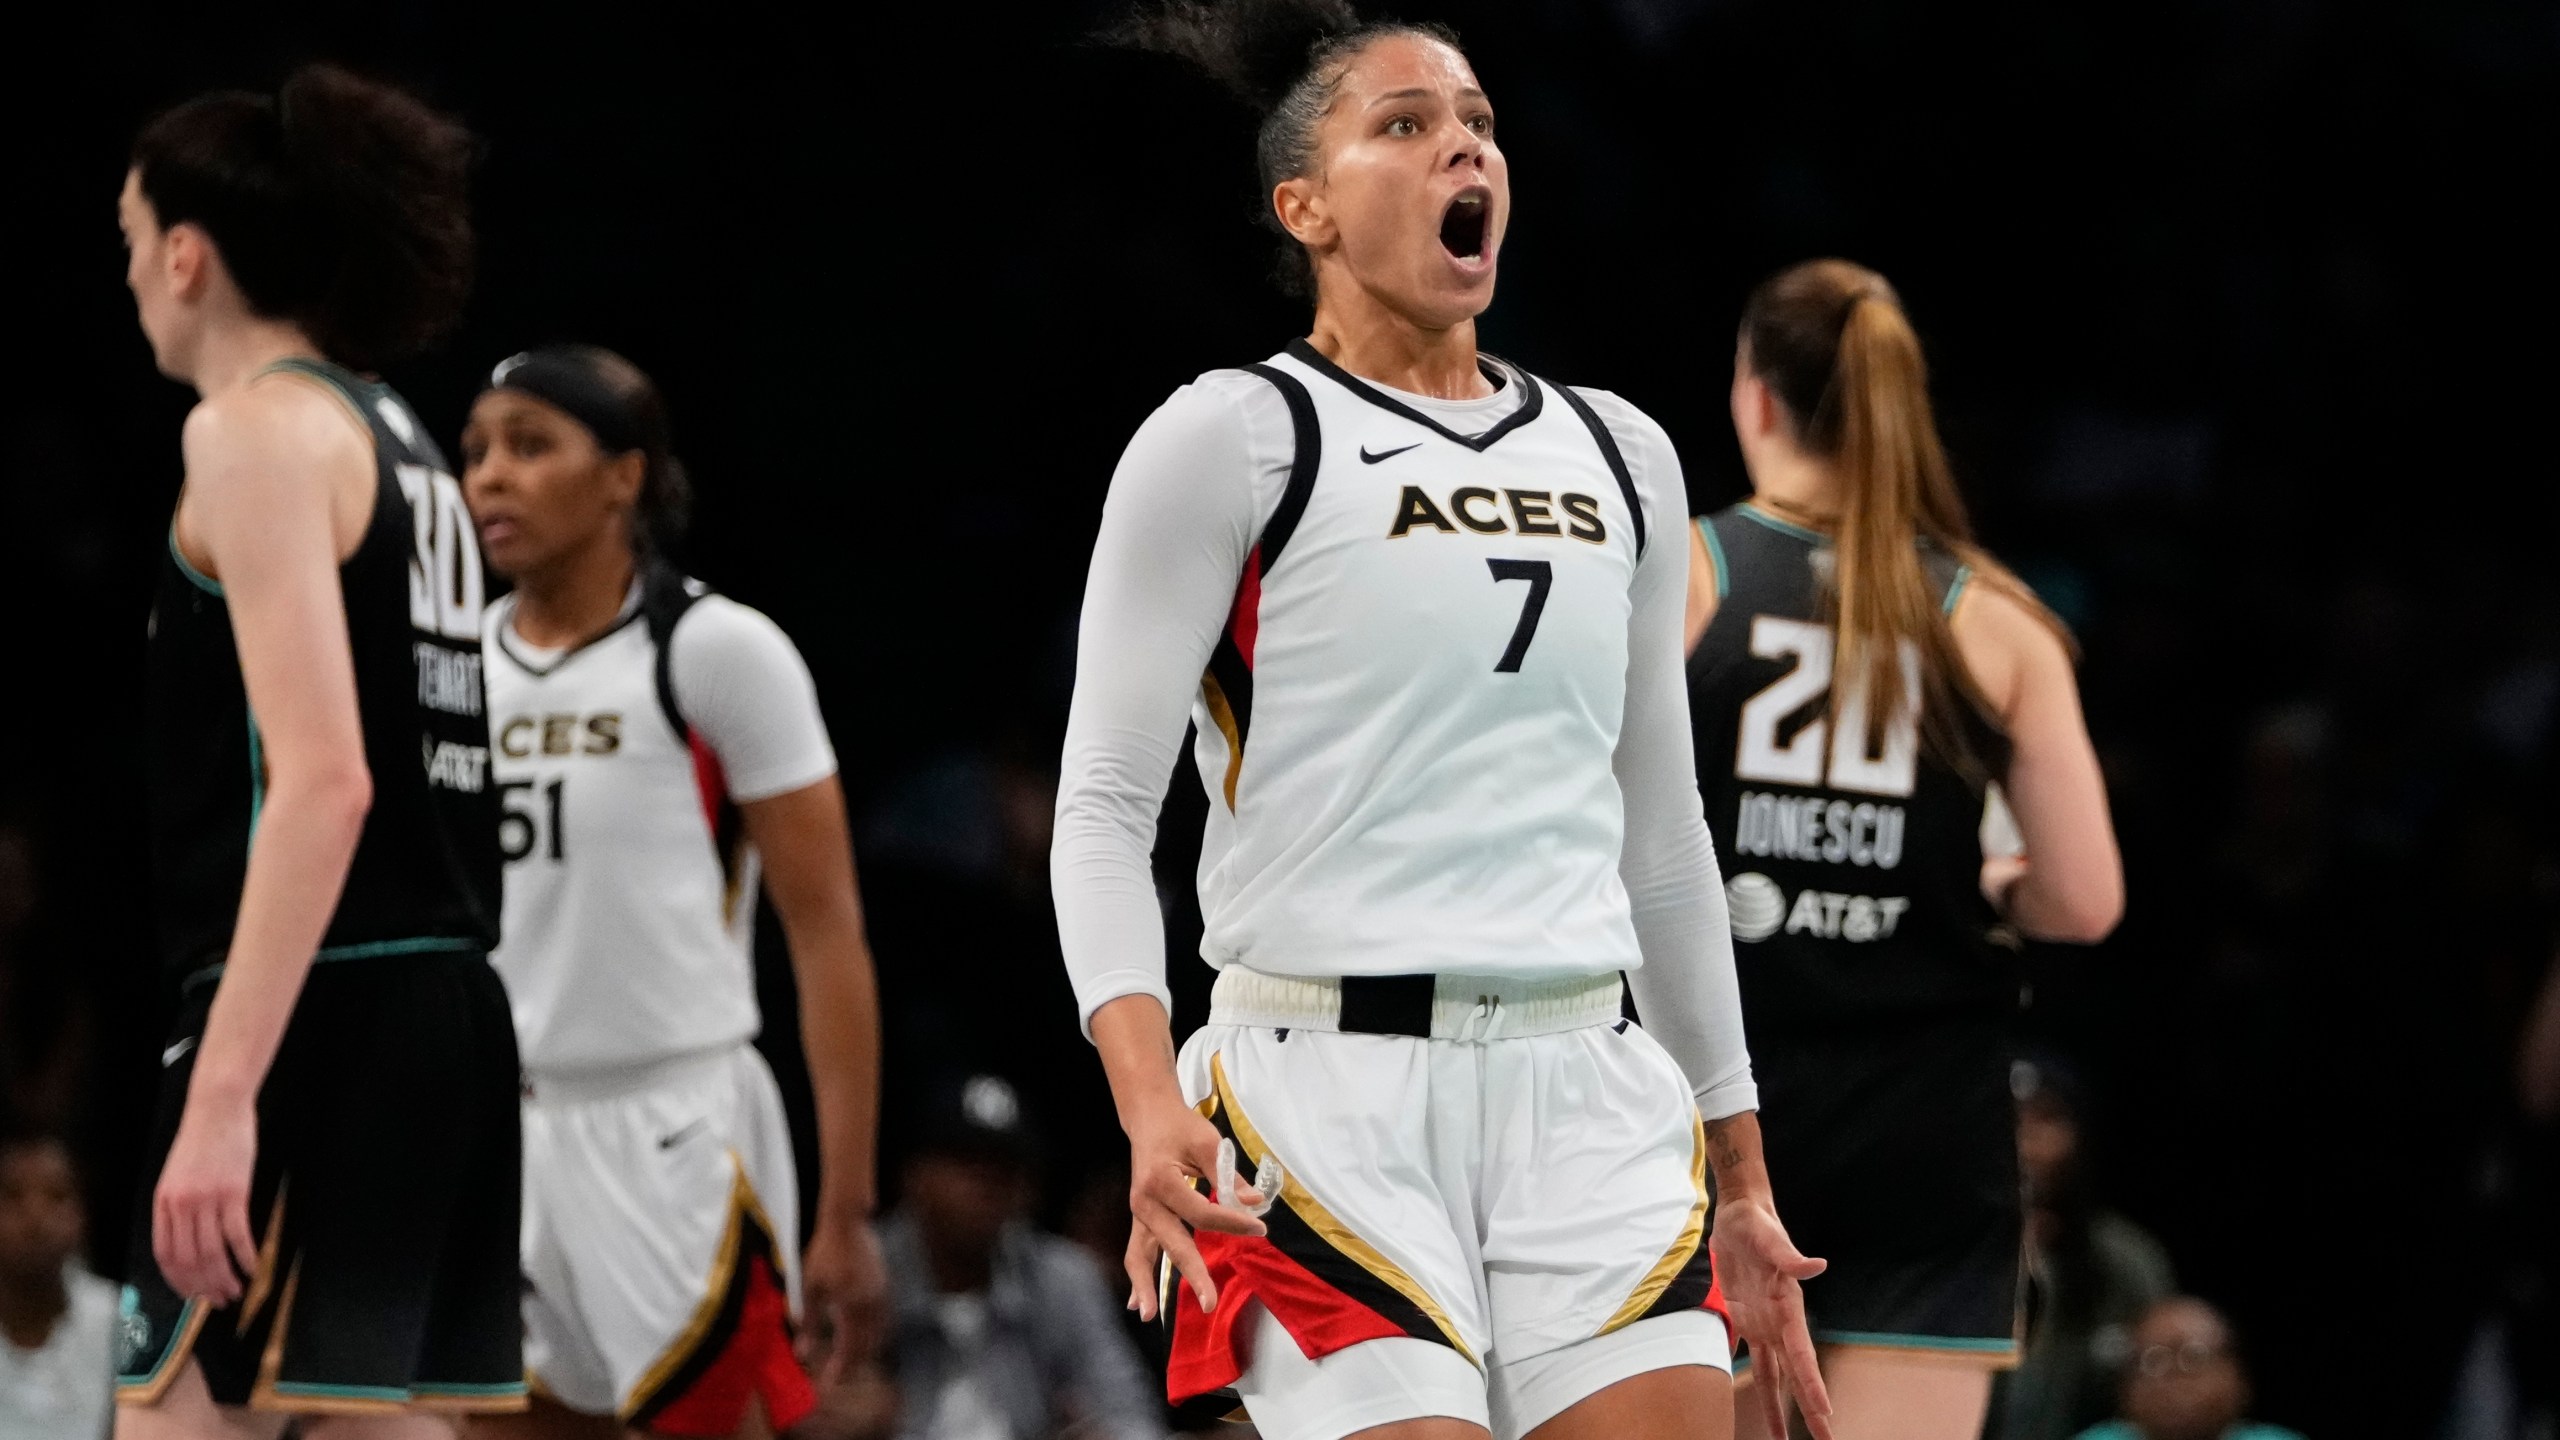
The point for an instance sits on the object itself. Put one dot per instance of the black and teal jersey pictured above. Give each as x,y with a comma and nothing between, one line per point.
1851,851
425,873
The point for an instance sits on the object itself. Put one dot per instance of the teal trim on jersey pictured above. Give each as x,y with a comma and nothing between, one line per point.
145,1379
1810,537
203,582
1970,1345
494,1391
375,949
361,950
1715,552
257,777
394,1394
1955,590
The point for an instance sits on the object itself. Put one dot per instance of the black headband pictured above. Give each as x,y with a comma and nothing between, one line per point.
564,377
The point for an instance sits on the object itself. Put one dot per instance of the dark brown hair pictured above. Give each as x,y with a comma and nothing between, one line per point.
1283,58
1830,340
338,203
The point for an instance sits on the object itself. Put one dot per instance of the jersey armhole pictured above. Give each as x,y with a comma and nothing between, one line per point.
1716,562
1306,457
1616,459
665,597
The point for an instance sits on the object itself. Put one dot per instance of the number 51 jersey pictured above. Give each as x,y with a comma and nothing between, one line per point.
630,887
1852,853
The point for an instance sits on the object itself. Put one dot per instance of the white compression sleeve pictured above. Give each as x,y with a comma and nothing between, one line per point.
1685,990
1175,532
741,684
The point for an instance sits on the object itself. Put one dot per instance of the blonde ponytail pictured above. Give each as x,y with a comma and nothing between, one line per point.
1831,340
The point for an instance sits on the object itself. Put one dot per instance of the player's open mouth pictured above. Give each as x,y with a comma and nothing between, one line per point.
1463,224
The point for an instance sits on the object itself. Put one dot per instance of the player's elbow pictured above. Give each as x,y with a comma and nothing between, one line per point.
2078,915
337,793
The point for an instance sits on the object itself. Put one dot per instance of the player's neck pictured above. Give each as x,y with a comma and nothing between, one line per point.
575,599
1796,488
31,1307
230,356
1365,336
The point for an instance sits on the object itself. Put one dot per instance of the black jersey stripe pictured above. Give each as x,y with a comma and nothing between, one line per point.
1609,452
1303,464
1531,400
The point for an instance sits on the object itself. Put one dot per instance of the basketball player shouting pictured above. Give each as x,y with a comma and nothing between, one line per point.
652,741
1863,673
1425,610
332,1229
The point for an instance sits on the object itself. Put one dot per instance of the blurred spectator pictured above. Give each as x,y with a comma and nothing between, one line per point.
57,1321
2184,1380
1000,1332
2090,1272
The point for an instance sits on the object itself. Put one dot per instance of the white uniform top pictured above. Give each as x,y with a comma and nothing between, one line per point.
1438,693
630,902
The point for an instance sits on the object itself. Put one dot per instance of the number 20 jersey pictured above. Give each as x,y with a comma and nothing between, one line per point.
1852,853
1408,727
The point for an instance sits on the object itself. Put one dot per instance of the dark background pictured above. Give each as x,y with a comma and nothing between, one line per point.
2241,315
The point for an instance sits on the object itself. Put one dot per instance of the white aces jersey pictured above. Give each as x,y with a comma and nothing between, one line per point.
630,890
1408,725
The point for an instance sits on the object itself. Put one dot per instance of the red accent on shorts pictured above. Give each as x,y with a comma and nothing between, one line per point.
756,1363
1715,1298
710,779
1244,623
1246,1268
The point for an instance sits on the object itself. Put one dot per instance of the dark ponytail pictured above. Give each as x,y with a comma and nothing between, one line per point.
1282,58
339,204
1830,340
625,411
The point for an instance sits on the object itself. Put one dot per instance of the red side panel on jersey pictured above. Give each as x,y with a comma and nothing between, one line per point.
1244,623
710,779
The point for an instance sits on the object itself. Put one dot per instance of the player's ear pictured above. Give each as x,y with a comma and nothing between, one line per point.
186,252
1300,203
624,475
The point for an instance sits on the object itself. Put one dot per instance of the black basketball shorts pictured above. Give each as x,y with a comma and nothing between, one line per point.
384,1200
1893,1155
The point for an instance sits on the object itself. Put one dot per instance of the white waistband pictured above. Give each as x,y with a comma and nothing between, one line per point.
1463,1007
578,1087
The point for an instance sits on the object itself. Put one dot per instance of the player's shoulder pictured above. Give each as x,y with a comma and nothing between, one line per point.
1628,424
268,418
714,620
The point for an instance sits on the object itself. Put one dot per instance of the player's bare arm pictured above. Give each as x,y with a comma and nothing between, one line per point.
278,486
2069,886
810,876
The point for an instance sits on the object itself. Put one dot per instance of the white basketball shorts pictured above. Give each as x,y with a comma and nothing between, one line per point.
1490,1225
661,1231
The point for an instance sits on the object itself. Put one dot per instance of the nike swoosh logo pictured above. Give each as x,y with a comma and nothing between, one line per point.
1369,459
669,1142
177,1052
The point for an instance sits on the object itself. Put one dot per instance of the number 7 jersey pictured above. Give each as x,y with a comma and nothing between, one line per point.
1408,725
619,766
1852,854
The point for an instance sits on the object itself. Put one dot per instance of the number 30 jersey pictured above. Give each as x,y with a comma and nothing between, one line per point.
1433,665
424,879
619,764
1852,853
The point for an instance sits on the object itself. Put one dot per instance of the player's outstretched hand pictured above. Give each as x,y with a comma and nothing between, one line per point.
200,1211
1167,1152
1763,1276
844,1286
